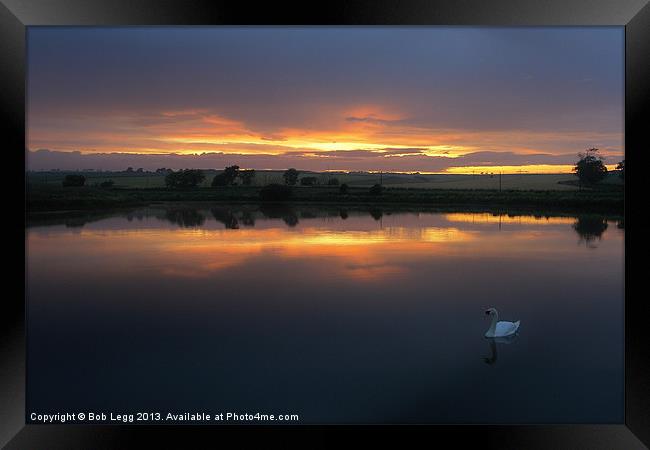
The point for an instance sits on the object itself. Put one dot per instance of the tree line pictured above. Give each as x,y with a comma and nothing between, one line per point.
590,170
231,175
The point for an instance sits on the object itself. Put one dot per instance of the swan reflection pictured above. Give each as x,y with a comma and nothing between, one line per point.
492,342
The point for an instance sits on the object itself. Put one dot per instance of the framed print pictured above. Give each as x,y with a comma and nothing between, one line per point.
406,217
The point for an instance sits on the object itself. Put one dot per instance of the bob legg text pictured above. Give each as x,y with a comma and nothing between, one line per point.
126,418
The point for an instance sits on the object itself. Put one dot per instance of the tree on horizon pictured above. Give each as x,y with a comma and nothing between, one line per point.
621,168
308,181
74,180
590,168
291,176
184,178
227,177
247,176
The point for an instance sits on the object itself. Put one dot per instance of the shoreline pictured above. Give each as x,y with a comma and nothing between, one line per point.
56,200
77,218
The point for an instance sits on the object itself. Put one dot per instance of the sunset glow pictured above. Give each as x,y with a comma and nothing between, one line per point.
434,100
363,255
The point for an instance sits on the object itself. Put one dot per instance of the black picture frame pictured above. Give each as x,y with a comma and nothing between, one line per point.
634,15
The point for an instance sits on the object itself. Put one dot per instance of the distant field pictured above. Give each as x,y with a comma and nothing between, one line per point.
515,182
540,182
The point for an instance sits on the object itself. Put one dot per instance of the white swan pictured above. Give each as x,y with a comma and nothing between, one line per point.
500,329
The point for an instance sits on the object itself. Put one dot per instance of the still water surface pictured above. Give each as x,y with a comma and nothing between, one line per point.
338,316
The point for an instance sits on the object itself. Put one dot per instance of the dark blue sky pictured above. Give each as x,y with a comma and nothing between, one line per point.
288,92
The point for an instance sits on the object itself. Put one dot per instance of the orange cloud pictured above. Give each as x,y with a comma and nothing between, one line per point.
373,128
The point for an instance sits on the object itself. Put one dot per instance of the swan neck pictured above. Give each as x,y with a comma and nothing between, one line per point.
493,325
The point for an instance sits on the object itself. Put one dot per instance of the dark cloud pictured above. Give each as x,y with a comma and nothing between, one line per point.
399,151
335,160
373,119
268,82
477,78
357,153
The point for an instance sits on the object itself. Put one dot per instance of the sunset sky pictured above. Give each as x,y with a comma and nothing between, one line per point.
426,99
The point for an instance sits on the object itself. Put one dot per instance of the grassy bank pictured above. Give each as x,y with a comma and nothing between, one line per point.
523,181
57,198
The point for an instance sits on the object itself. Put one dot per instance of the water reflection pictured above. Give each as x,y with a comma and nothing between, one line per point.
505,218
185,217
226,217
347,240
137,214
590,229
248,219
376,213
492,343
348,321
75,222
280,211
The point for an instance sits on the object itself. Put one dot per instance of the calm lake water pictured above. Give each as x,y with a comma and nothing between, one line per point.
338,316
